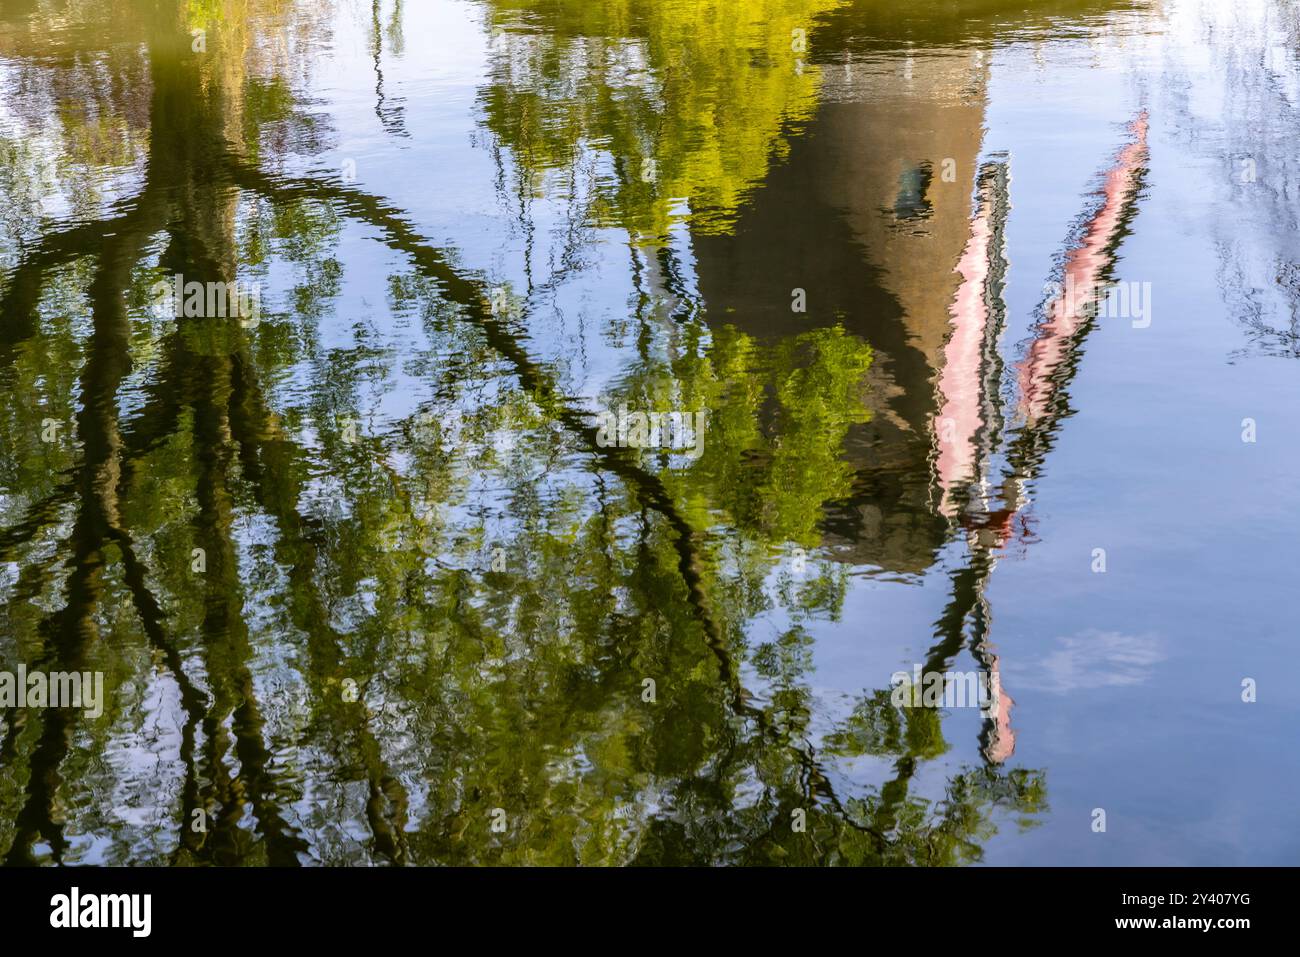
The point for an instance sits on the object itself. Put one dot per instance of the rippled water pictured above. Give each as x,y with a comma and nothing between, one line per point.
978,324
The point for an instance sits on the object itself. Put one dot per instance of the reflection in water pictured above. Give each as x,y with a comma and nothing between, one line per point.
970,376
365,581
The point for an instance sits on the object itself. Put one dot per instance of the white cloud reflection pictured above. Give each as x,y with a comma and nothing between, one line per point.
1091,659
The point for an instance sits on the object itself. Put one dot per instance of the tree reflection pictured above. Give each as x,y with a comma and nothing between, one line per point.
399,625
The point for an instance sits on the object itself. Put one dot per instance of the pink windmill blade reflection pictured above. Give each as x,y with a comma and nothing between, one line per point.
1085,267
964,386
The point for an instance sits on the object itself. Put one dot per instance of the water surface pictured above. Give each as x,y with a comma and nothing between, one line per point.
368,582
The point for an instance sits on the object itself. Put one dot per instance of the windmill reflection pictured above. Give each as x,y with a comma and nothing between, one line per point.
871,429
